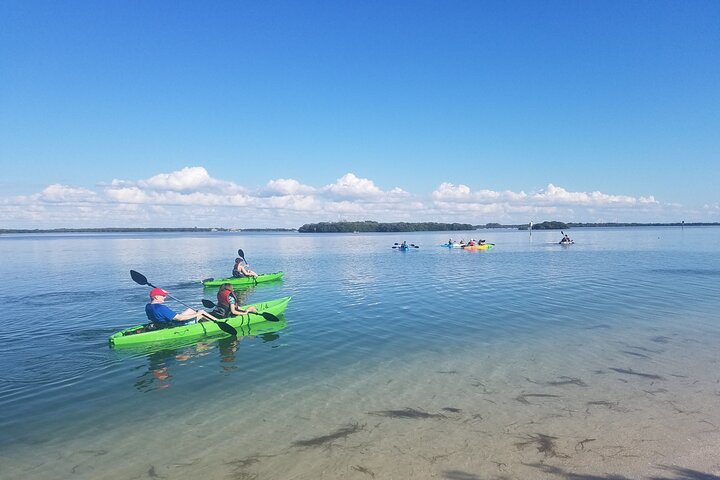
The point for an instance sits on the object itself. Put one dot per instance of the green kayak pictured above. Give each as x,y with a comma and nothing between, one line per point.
136,335
236,281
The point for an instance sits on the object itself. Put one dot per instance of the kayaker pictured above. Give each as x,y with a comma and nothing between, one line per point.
566,239
228,304
161,316
241,269
404,245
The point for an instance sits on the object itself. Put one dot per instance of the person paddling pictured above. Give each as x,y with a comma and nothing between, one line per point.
161,316
228,304
241,269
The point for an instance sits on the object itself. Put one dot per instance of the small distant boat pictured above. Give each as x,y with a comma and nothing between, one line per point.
564,242
453,245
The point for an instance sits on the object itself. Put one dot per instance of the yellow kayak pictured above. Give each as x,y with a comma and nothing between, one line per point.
482,246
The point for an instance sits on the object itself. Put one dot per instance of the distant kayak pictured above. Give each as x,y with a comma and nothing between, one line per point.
483,246
566,243
237,281
137,334
453,245
405,247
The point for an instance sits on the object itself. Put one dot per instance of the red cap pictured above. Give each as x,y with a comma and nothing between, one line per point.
158,292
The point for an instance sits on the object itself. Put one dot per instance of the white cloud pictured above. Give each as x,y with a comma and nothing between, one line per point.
559,196
57,193
189,178
191,196
552,195
448,191
287,186
127,195
301,203
350,186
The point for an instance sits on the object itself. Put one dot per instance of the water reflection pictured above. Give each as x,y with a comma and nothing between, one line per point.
164,361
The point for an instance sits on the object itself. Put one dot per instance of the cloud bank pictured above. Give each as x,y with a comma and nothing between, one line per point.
192,197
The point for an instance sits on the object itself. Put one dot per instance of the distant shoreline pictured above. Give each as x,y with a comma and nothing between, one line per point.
143,230
343,227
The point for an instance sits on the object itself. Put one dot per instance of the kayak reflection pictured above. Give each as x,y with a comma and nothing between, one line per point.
164,360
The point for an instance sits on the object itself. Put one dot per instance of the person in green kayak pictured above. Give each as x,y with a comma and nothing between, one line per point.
228,304
242,269
161,316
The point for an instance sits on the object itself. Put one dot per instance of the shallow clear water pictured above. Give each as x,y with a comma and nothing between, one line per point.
363,316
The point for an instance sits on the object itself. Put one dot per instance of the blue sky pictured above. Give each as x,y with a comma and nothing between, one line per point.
279,113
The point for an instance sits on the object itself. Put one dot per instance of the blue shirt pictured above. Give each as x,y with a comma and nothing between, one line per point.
157,312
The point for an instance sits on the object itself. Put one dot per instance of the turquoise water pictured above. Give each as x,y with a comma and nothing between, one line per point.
367,330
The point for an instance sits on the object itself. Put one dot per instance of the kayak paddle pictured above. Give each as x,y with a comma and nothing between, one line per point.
241,254
410,245
141,279
266,315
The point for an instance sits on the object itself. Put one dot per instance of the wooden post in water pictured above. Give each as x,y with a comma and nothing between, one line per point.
530,228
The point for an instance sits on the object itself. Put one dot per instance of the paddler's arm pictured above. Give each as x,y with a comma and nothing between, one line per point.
188,314
239,311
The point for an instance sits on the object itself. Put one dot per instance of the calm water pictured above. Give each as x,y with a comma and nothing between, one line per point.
363,316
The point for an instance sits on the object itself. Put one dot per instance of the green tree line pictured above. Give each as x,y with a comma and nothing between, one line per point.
370,226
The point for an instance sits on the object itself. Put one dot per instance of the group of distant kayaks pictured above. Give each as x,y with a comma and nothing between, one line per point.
471,245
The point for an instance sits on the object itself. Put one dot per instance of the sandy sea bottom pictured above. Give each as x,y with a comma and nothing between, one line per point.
599,402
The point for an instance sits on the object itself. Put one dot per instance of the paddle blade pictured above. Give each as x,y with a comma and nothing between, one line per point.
227,328
208,303
241,254
269,317
207,280
393,247
139,278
